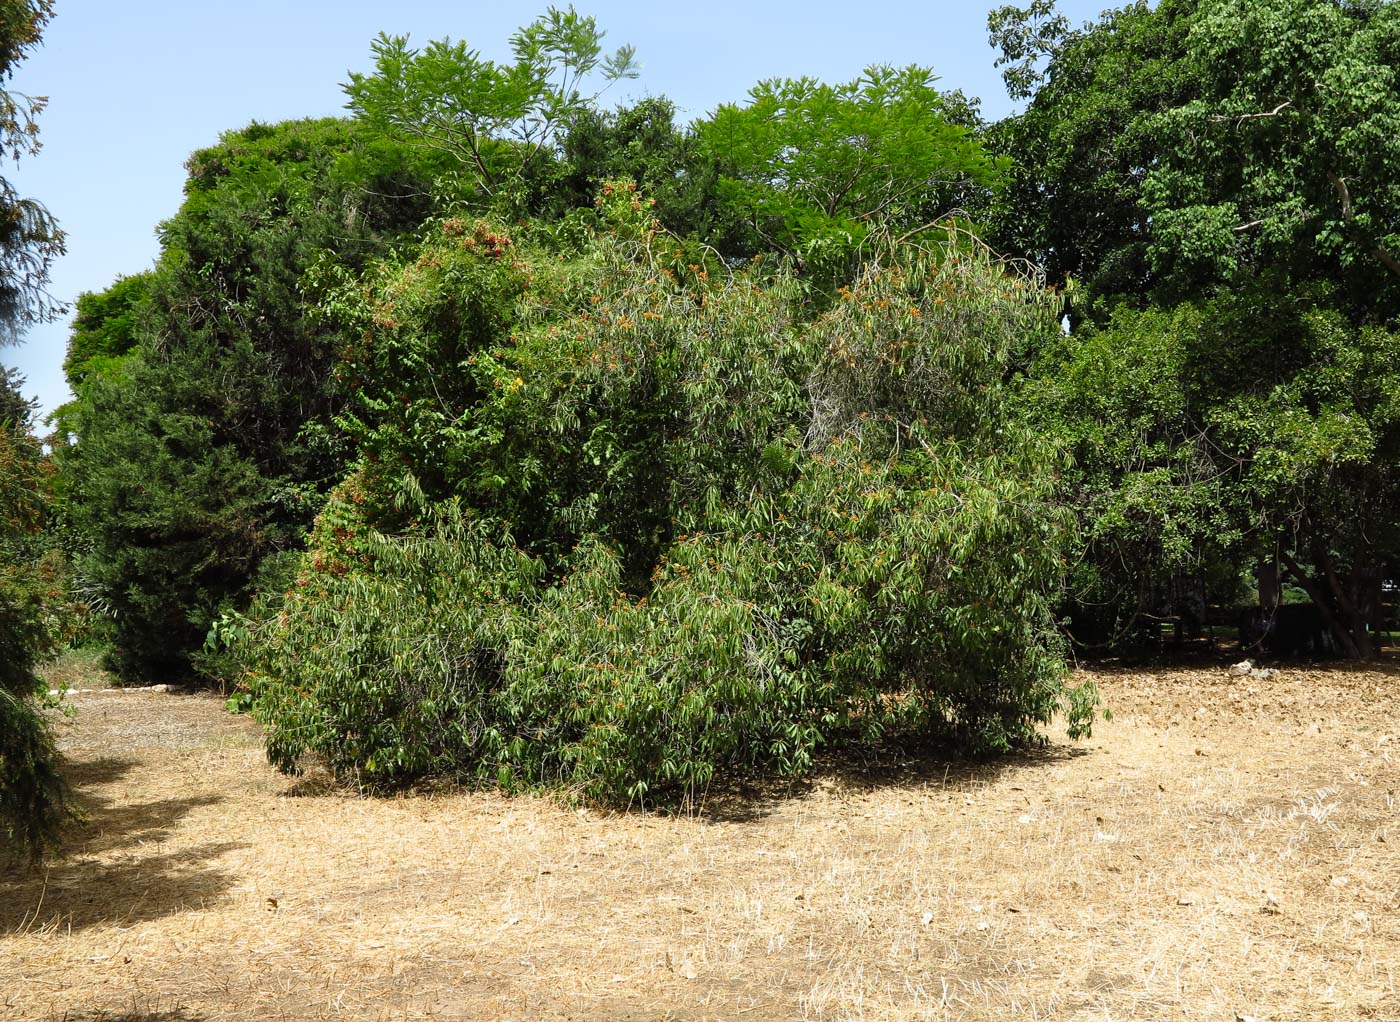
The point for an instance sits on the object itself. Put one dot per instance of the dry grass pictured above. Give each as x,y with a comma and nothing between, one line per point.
76,669
1222,849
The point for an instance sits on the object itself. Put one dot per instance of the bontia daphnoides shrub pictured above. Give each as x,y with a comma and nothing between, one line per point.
688,531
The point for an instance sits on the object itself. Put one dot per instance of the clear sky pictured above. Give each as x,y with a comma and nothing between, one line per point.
135,87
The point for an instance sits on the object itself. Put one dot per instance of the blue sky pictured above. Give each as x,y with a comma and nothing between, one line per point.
135,87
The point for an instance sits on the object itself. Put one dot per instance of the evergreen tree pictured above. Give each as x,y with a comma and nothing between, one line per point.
207,445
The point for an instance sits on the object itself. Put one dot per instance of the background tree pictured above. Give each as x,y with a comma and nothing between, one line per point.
208,447
1282,162
813,168
1172,161
106,328
643,144
1080,152
495,120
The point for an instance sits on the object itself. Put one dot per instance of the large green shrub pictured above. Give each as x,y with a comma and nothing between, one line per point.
623,531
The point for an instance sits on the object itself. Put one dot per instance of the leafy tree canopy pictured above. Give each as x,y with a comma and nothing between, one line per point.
1173,148
1285,156
496,120
643,144
816,168
1218,167
1082,149
625,530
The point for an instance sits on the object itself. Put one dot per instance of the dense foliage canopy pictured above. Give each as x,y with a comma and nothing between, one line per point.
626,531
1218,168
814,168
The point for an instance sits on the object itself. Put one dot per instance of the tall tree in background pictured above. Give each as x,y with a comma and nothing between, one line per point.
31,799
1284,160
1166,152
816,169
495,120
1227,163
1081,150
205,388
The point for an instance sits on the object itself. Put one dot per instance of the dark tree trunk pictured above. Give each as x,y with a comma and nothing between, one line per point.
1339,600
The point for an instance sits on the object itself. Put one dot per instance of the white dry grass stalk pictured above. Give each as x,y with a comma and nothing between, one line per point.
1223,848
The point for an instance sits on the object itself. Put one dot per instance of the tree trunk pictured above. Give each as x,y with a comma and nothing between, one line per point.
1267,581
1345,616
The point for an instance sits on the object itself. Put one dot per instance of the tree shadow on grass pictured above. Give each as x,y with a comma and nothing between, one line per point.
752,800
136,1014
108,825
77,894
116,869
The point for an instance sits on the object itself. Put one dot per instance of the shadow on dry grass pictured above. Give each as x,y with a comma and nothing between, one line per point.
108,824
752,800
136,1014
1222,849
100,879
77,895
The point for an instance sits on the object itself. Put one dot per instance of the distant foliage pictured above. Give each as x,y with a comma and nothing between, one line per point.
495,120
1197,430
814,169
643,143
1228,209
106,327
633,530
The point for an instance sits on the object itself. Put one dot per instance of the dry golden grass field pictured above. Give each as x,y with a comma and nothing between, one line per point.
1223,849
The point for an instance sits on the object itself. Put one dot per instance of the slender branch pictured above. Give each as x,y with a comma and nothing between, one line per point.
834,201
1344,196
1241,118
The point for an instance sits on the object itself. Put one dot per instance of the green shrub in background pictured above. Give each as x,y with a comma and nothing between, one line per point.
625,528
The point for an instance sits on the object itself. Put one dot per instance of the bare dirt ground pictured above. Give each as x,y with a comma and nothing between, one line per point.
1223,849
